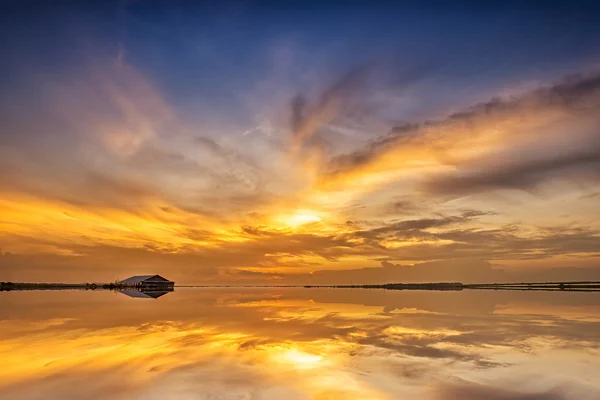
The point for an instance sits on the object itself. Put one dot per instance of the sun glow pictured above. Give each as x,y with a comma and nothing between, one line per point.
300,217
301,359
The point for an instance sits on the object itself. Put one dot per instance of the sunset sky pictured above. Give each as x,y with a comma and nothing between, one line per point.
266,142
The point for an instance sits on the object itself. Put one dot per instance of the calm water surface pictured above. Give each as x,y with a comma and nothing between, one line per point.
300,344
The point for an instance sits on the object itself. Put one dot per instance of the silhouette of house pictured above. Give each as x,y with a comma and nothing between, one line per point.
143,294
147,282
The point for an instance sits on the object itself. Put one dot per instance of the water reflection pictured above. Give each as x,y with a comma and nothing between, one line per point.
144,293
300,344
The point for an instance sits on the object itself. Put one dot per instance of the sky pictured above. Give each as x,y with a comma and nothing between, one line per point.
303,142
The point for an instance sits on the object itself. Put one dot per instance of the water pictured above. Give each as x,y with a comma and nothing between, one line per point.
300,344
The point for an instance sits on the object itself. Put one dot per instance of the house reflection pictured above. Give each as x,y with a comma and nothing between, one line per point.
145,294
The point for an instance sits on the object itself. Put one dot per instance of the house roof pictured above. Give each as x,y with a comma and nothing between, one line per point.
142,278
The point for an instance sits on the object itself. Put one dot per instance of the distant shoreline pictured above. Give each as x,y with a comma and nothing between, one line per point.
577,286
573,286
9,286
590,286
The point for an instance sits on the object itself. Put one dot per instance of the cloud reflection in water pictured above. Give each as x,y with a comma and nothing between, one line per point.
300,344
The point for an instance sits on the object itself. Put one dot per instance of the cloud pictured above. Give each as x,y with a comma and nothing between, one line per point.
472,391
410,251
524,176
517,143
306,120
353,105
419,225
